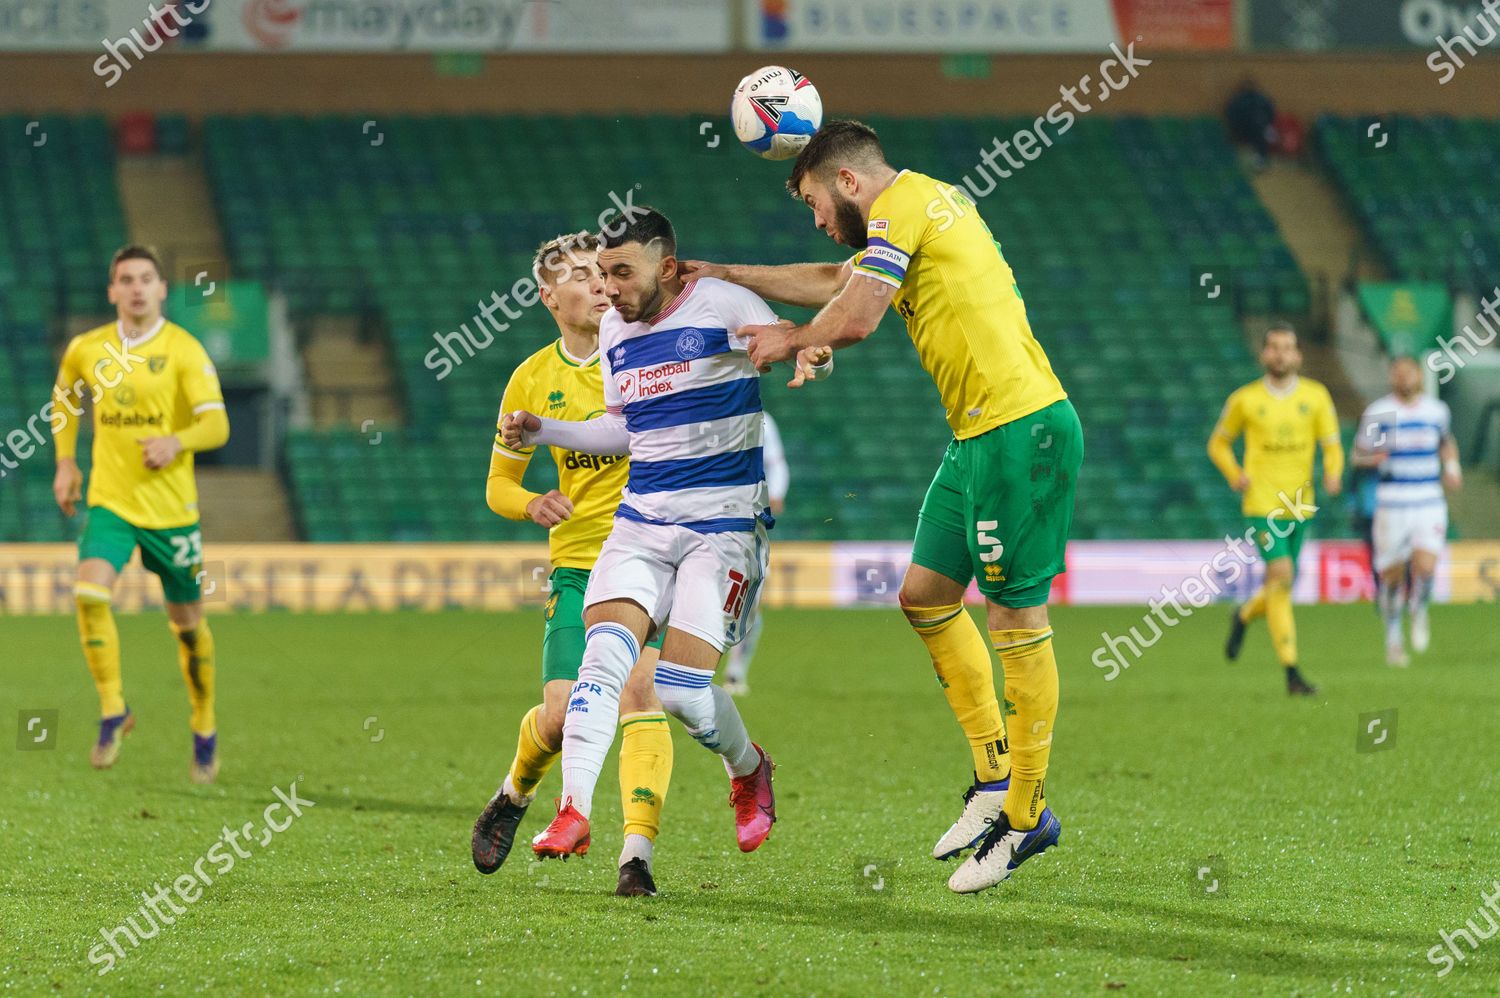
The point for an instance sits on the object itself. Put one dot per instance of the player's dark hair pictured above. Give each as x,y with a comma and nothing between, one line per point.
1278,327
837,143
638,224
134,251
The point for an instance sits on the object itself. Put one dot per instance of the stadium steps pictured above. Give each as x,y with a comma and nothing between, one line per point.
1321,362
348,375
1323,237
243,504
168,205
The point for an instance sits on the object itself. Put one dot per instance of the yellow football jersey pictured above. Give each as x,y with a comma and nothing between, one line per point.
1282,433
152,388
960,302
550,383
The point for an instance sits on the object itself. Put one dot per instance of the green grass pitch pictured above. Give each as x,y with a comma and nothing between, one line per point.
1337,869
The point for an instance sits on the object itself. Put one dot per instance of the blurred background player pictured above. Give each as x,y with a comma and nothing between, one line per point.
563,380
1284,418
156,401
1001,504
1407,437
778,481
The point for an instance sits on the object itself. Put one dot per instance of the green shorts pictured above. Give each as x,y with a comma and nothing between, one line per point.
175,554
1278,538
562,642
1001,505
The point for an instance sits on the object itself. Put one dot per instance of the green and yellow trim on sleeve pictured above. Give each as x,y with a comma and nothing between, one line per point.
882,259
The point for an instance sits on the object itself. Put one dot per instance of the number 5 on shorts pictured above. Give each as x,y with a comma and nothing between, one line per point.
981,534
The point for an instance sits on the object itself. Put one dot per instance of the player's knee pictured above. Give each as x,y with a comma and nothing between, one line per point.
1279,572
639,695
683,701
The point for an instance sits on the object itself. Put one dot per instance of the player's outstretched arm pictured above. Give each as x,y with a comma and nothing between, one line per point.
604,434
811,285
843,322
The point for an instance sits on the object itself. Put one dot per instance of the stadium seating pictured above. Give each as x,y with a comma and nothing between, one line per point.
63,221
1425,199
415,221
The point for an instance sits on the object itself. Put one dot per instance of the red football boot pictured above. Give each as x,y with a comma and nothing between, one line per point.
754,803
568,835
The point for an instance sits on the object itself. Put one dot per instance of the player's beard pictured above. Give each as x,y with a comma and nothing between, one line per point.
650,303
851,224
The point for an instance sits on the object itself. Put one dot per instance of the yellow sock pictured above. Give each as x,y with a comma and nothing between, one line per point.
645,770
1255,606
962,663
1279,621
1031,695
533,756
101,645
195,656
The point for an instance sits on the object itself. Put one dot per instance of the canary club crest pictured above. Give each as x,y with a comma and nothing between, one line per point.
157,363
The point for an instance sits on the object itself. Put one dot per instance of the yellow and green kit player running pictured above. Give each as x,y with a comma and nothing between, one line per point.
562,380
156,401
1285,418
1001,504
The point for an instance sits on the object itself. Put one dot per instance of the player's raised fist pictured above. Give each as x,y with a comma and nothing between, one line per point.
550,509
514,426
769,344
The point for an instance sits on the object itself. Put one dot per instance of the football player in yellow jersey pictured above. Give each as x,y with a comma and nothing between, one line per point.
156,401
1284,418
1001,503
563,380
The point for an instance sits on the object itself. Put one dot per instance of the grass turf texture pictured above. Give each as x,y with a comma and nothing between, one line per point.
1337,868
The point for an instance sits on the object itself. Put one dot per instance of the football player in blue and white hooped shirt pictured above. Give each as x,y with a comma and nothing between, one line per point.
682,398
1406,436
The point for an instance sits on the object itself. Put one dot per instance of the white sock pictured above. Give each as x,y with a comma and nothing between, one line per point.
609,653
509,789
741,654
1389,599
636,847
708,713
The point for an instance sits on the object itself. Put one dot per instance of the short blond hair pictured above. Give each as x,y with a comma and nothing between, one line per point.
559,255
